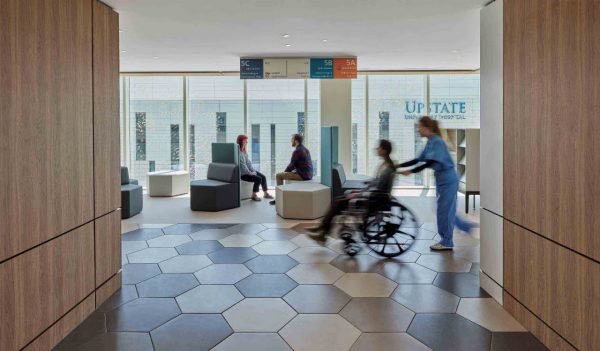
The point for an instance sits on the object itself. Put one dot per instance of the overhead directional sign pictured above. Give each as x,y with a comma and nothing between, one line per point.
298,68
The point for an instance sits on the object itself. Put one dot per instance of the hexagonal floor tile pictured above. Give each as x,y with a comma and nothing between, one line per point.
142,315
423,298
422,247
169,241
271,264
516,341
317,299
310,332
466,335
469,253
132,246
167,285
357,264
250,228
407,257
188,228
444,263
152,255
259,315
117,341
281,247
253,342
222,274
233,255
338,246
366,285
313,255
122,296
407,273
377,315
91,327
134,273
302,240
266,285
191,332
209,299
388,342
278,234
210,234
199,247
185,264
315,273
240,240
460,284
489,314
141,234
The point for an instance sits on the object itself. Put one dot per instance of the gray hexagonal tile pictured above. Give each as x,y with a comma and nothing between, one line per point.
266,285
302,240
377,315
357,264
191,332
209,299
199,247
141,234
315,273
169,241
253,342
122,296
388,342
132,246
142,315
275,247
185,264
460,284
210,234
407,273
259,315
188,228
317,299
278,234
466,335
423,298
313,255
240,240
250,228
489,314
407,257
366,285
167,285
444,263
271,264
233,255
138,272
310,332
152,255
116,342
222,274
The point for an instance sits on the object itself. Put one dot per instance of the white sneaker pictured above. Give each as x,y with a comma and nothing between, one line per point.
440,247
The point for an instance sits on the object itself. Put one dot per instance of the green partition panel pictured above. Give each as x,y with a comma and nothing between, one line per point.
227,153
329,153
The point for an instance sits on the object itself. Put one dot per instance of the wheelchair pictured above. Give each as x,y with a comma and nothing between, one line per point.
380,222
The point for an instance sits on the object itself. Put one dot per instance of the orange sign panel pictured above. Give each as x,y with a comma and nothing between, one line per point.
344,67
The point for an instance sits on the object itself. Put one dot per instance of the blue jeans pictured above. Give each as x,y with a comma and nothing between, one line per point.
446,213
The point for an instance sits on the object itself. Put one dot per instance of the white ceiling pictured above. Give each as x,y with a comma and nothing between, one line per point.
211,35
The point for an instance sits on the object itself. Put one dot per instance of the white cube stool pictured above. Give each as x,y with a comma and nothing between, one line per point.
246,189
302,200
168,183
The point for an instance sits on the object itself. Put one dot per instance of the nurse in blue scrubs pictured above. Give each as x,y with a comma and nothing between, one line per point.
436,156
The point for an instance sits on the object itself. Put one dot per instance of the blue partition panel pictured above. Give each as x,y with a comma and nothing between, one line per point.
227,153
329,153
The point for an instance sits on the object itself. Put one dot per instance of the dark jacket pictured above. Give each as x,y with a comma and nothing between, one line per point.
301,162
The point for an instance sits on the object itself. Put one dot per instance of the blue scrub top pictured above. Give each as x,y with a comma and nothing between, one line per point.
436,150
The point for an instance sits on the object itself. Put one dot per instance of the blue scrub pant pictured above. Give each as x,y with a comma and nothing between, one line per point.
446,213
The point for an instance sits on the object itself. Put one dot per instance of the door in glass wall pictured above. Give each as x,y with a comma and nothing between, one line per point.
156,125
216,114
396,102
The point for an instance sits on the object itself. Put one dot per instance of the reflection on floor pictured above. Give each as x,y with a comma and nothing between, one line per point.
269,287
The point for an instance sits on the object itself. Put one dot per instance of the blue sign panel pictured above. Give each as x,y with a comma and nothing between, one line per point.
321,68
251,68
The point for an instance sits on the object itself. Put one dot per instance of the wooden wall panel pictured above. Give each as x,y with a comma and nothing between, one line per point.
551,120
106,110
41,285
559,286
108,246
46,118
108,289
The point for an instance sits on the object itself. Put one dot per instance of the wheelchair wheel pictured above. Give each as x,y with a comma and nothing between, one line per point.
387,232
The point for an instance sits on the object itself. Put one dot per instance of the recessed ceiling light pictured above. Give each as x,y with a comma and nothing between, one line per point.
155,57
120,31
455,51
324,40
288,45
123,51
286,35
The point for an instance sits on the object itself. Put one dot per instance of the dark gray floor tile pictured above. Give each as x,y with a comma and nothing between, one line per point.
516,341
271,264
142,315
407,273
118,342
449,331
201,247
377,315
266,285
426,298
142,234
189,228
191,332
125,294
357,264
91,327
317,299
167,285
475,268
232,255
460,284
134,273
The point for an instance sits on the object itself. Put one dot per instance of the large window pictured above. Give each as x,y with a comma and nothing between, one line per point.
156,124
216,114
359,125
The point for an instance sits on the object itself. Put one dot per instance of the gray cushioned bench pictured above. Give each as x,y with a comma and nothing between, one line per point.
132,195
220,191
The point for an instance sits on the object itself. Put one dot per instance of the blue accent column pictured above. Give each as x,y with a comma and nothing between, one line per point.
329,153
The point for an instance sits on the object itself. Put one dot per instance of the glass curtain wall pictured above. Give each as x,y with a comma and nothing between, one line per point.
359,125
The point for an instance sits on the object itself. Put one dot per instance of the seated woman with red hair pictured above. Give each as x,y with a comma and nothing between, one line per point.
249,174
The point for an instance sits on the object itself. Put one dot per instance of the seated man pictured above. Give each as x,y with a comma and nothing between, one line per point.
300,167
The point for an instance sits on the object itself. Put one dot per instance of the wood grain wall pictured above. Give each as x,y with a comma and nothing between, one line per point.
552,168
59,165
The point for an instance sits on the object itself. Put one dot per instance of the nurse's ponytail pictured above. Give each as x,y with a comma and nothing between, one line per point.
431,124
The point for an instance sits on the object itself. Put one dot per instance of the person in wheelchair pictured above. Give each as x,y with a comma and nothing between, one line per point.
377,190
